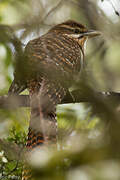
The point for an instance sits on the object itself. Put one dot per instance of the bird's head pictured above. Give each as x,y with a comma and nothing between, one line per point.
76,31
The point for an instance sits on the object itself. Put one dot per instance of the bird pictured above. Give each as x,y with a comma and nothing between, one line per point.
52,62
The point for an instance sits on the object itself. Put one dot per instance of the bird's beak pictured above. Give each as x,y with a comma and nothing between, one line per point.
91,33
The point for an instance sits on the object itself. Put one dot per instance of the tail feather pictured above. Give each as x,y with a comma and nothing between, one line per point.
44,97
34,139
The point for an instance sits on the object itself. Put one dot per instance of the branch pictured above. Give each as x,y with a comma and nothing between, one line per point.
76,96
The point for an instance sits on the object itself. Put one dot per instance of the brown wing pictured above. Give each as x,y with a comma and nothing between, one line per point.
54,53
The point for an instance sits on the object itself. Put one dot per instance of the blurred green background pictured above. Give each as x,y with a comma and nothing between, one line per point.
77,123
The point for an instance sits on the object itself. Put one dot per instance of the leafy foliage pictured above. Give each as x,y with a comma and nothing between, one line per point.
12,168
88,140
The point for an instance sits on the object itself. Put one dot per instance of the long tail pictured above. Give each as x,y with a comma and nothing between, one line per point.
34,140
44,97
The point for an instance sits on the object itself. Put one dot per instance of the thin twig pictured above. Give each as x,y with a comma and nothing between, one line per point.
116,12
33,23
52,10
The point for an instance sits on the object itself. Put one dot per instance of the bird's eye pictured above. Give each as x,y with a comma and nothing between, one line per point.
77,31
